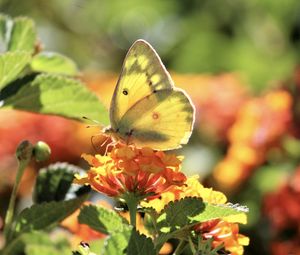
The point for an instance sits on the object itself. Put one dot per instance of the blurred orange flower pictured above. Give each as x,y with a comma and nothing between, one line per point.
217,99
144,172
282,207
225,233
260,123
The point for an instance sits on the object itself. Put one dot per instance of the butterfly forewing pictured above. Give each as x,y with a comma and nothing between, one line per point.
142,74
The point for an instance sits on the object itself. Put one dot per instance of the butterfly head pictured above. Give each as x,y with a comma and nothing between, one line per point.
118,135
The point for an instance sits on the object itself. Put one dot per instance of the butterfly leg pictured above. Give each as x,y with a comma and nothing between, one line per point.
128,135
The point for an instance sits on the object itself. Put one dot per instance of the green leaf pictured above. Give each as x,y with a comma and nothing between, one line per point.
178,214
5,29
23,35
51,62
41,216
101,219
140,244
117,242
17,246
87,248
11,65
38,249
54,182
53,94
220,212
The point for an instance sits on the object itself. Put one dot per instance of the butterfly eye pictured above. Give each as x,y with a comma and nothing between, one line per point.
125,92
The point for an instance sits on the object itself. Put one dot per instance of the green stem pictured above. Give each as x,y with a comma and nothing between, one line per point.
23,153
132,202
180,247
192,246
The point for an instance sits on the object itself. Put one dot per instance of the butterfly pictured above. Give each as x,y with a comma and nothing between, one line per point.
146,109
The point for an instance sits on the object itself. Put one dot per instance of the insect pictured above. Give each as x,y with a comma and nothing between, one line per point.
146,108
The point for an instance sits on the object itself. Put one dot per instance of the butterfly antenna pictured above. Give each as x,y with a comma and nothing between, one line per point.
95,123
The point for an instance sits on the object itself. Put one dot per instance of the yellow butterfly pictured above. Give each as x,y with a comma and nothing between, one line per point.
146,109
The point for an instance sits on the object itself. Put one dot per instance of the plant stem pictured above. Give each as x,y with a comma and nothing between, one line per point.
180,247
132,202
23,153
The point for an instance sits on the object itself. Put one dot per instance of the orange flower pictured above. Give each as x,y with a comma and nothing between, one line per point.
129,169
224,233
260,123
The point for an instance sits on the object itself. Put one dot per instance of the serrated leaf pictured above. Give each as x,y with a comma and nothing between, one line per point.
17,246
117,243
220,212
101,219
178,214
11,65
41,216
54,182
140,244
57,95
23,35
51,62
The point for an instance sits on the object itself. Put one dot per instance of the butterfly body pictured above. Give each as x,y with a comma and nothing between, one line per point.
146,108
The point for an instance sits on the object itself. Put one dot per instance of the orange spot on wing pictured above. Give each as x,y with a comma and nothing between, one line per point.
155,115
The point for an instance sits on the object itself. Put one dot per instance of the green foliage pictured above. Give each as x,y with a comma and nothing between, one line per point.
37,249
35,243
11,65
52,62
205,247
53,94
54,182
23,35
42,216
179,213
117,242
212,211
140,244
17,34
21,86
102,219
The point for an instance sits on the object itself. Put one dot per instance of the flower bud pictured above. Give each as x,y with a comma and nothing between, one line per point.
41,151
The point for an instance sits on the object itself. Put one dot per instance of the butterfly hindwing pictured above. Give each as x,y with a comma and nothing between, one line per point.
142,74
165,120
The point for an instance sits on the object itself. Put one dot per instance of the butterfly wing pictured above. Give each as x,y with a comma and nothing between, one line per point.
162,120
142,74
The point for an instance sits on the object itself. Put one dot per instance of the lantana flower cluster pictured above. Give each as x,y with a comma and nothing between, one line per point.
260,124
156,177
144,172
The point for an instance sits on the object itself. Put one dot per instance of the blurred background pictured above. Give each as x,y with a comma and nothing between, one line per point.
237,59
